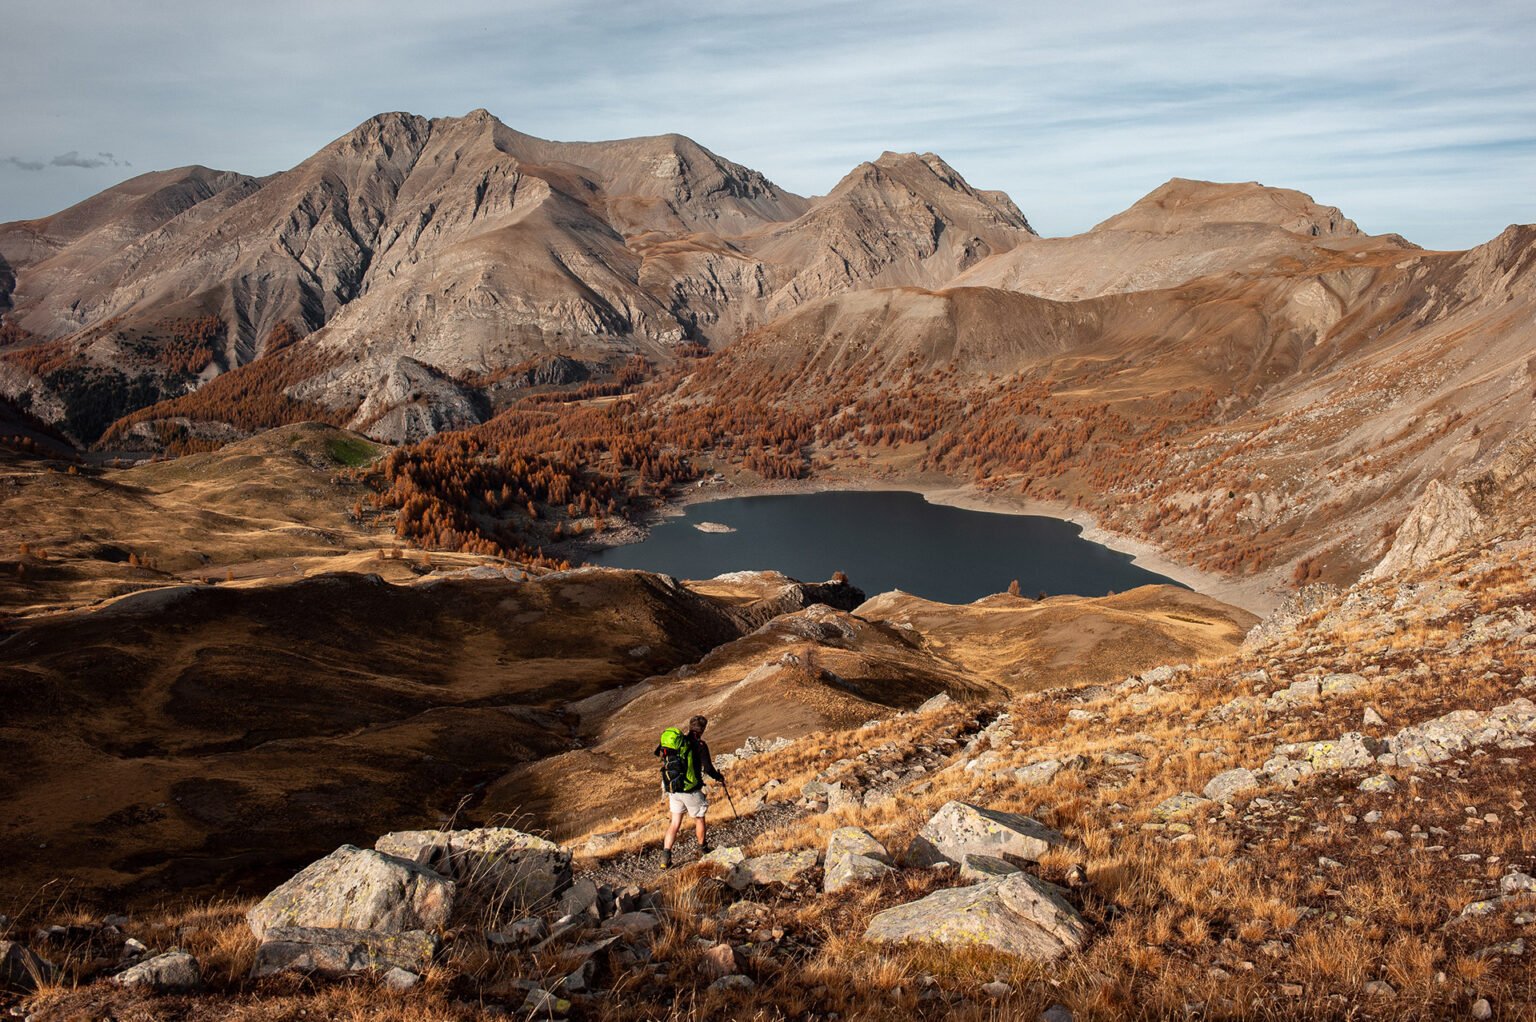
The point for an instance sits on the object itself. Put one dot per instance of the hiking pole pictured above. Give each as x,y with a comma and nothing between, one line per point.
727,790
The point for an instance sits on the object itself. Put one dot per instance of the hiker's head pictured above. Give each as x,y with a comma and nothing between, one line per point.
696,726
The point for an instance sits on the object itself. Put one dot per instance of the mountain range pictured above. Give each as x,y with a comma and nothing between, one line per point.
1221,369
428,251
293,471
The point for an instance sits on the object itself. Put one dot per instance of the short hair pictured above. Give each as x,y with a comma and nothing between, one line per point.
696,723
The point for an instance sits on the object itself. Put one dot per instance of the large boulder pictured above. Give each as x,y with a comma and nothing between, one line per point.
855,841
1352,751
960,828
1018,914
1229,784
505,866
1447,736
174,970
851,869
336,951
853,855
774,868
361,889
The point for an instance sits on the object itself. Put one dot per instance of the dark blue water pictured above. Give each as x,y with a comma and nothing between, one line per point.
884,541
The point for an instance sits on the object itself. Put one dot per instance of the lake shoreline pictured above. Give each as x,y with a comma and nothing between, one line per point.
1254,594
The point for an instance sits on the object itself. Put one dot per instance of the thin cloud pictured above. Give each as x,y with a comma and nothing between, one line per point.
1411,118
73,158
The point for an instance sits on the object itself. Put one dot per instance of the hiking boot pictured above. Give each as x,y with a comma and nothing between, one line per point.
706,848
666,858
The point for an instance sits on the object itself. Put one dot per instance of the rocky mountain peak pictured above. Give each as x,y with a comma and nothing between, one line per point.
1503,265
925,177
386,132
1182,204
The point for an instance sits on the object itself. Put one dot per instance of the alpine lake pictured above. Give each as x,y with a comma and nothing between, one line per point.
883,540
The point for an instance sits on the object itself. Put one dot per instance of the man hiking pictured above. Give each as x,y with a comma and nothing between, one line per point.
685,763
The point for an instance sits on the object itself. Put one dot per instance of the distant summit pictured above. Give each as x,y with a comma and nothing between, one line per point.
415,256
1182,204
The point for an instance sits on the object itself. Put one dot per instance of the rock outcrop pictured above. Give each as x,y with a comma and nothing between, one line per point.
502,865
338,951
361,889
1443,521
1018,914
773,868
960,828
853,856
174,970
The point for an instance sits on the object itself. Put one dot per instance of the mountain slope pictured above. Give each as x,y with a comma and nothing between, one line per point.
1248,420
903,219
428,256
1180,231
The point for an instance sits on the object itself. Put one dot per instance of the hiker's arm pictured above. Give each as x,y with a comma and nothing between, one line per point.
707,764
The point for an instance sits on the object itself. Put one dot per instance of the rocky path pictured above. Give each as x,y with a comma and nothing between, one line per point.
874,775
642,868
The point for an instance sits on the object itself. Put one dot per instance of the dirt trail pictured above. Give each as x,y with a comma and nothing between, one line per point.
643,868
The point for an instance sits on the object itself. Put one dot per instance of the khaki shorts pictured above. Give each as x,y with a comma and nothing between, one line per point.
691,802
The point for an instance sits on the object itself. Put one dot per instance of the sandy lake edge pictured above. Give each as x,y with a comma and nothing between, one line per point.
1258,595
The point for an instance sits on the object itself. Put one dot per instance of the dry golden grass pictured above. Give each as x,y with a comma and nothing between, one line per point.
1226,913
1236,916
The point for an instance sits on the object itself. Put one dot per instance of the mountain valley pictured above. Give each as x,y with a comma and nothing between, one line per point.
303,678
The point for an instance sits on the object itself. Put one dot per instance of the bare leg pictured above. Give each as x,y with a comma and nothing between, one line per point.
672,829
698,829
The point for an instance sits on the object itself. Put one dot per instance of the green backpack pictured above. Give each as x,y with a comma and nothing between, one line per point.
679,766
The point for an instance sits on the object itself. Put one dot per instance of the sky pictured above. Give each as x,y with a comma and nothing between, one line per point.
1413,117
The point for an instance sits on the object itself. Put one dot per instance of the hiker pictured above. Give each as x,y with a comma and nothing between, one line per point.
685,763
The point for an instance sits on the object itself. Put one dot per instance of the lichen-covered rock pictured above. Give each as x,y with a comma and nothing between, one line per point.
774,868
855,841
1178,805
852,869
358,888
1229,784
1340,684
499,863
1286,772
540,1003
1037,773
20,969
986,867
1017,914
1441,522
1351,751
335,951
174,970
1382,783
727,857
1302,691
1443,738
959,828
